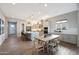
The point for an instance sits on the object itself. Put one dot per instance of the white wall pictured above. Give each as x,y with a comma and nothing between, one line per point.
78,25
4,35
71,25
71,18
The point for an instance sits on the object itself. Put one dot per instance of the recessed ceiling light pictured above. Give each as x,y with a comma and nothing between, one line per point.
13,3
45,5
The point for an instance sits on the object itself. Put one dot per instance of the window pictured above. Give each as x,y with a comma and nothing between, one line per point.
61,25
1,26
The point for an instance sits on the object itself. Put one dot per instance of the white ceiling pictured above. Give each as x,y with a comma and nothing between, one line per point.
36,10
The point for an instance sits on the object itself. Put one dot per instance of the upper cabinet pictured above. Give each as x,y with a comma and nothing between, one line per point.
45,23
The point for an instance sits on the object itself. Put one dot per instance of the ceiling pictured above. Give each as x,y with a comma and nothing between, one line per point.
36,11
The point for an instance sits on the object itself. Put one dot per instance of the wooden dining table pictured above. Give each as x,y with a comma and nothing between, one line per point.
48,38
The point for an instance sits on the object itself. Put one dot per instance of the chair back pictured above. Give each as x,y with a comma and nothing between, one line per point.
38,42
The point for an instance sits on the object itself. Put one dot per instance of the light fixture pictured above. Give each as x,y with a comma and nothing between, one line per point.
45,5
12,26
45,17
64,21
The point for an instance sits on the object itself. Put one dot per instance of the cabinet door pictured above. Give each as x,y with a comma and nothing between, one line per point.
70,38
73,39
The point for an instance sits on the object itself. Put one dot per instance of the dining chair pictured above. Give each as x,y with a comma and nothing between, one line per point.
38,46
23,36
53,46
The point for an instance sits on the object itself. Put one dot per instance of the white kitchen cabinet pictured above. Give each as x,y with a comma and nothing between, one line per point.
70,38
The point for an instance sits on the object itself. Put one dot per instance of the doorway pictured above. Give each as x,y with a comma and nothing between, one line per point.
12,28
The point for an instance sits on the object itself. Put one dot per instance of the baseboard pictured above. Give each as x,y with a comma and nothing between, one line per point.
69,43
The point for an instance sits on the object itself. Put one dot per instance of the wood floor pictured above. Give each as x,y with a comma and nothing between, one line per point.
14,46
